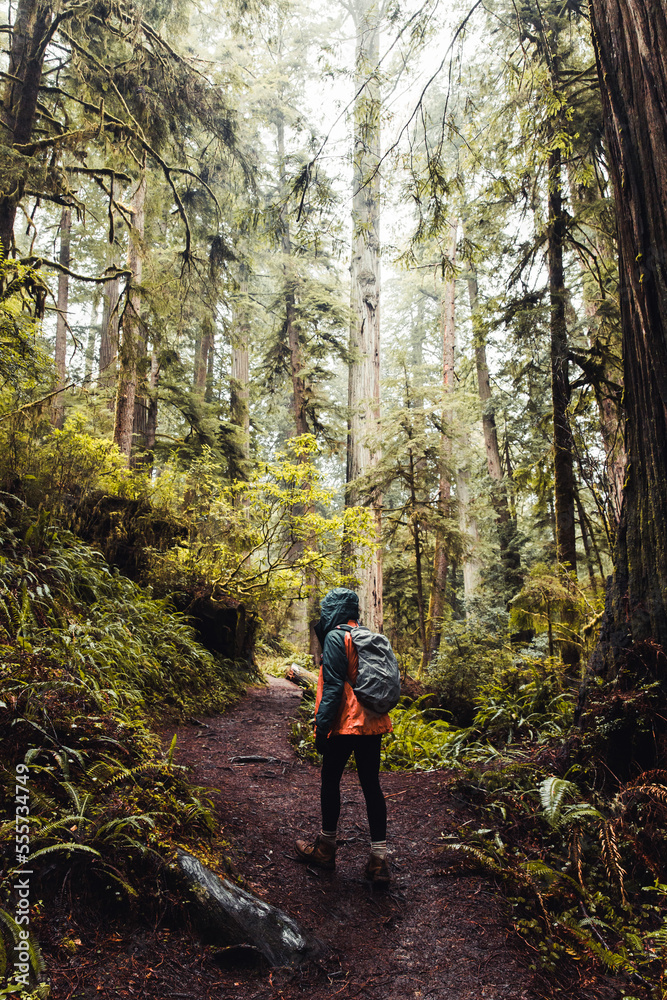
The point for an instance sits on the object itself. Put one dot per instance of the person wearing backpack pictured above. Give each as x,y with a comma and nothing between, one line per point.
345,725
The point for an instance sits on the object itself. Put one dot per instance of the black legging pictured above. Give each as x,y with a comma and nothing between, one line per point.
366,750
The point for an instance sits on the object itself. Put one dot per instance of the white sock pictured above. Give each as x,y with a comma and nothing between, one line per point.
329,837
379,848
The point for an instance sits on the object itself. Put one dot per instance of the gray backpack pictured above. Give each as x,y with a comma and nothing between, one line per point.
378,683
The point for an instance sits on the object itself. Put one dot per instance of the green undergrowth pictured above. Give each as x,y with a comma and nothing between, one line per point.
584,871
90,665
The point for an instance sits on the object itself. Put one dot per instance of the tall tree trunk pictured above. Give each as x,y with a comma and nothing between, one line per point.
363,439
210,370
440,560
203,348
301,607
152,414
132,331
416,537
19,106
630,38
560,381
300,423
92,338
507,530
564,484
240,378
467,525
61,321
109,333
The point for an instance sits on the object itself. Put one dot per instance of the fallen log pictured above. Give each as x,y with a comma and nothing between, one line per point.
233,916
299,675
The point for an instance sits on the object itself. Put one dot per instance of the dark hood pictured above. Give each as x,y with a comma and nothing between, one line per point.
338,607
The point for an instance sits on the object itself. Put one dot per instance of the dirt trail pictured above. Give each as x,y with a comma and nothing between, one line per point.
432,935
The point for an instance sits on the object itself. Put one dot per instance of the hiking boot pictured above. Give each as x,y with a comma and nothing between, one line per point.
320,853
377,870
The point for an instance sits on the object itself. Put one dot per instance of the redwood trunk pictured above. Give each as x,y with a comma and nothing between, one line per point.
564,484
363,440
560,380
630,38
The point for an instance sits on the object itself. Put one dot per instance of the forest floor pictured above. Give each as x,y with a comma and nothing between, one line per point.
434,934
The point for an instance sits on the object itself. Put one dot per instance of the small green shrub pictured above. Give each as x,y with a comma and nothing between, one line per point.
471,651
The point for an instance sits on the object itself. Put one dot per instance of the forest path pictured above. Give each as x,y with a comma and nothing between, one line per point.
430,936
433,935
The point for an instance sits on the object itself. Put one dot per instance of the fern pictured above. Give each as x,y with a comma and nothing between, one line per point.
552,793
36,960
612,858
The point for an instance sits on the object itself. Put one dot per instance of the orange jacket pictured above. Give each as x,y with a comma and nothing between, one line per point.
352,718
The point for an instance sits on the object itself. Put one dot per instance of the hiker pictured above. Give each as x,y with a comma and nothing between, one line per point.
343,726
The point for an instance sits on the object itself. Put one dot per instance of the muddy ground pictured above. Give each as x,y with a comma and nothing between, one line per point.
433,935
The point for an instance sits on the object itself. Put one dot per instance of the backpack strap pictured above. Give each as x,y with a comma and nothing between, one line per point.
349,645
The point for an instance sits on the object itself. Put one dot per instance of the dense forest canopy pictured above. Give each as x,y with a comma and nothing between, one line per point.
355,293
188,189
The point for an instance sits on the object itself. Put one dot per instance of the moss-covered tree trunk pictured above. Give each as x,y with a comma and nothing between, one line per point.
19,106
630,38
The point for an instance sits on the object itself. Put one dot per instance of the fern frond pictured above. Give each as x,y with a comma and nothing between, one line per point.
575,855
656,792
36,960
614,961
479,857
612,858
79,848
552,792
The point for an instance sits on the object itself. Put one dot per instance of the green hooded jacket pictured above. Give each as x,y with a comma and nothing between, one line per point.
338,607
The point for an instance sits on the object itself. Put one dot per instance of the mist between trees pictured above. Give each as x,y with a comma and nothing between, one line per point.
195,210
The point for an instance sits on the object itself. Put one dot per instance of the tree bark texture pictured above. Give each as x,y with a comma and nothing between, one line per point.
239,395
363,441
467,525
24,75
61,321
440,560
152,412
132,330
92,338
109,334
560,381
203,349
630,38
